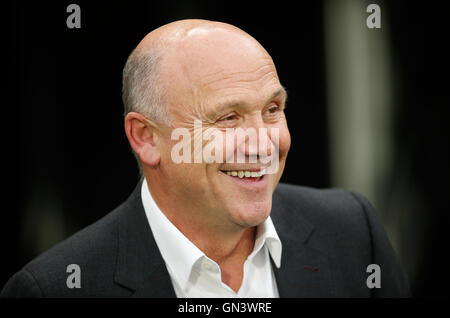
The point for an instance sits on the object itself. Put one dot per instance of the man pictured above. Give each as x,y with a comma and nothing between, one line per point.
201,228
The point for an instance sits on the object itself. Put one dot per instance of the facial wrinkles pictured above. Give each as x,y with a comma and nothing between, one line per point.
207,110
248,91
252,116
253,78
203,91
215,67
219,77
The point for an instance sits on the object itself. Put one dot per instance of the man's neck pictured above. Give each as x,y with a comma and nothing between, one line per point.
228,246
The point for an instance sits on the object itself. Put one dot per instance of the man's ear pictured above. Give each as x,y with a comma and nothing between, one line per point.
142,137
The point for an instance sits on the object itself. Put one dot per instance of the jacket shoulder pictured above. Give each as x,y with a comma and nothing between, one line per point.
330,211
93,249
343,226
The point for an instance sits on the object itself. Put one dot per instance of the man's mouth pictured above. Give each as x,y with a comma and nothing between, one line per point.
246,175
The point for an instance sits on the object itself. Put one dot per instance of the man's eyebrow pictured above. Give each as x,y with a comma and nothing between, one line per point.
280,93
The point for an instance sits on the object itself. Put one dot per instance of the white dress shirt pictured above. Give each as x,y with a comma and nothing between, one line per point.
193,274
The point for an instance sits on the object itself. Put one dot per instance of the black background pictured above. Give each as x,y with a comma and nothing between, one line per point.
63,115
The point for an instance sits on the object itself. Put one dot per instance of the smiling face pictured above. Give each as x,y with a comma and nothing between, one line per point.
225,79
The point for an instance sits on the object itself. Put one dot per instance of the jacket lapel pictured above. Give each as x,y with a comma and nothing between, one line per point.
140,266
304,271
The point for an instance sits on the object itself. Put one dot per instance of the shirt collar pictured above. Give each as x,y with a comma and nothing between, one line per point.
267,235
180,254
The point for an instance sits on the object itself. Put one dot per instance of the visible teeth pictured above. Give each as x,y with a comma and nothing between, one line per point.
246,174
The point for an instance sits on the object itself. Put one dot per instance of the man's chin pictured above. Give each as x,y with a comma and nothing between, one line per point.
252,213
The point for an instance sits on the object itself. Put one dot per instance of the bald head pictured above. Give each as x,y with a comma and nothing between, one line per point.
177,57
216,85
172,35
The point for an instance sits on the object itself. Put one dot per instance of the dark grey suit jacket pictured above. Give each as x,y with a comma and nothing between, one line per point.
329,237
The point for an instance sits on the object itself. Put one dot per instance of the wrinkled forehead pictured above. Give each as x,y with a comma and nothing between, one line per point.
207,60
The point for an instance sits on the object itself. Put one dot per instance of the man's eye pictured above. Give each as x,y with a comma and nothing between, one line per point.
229,118
273,109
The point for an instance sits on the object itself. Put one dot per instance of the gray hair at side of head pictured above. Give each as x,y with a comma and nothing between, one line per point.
142,89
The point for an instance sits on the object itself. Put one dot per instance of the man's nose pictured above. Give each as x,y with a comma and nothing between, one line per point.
258,142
